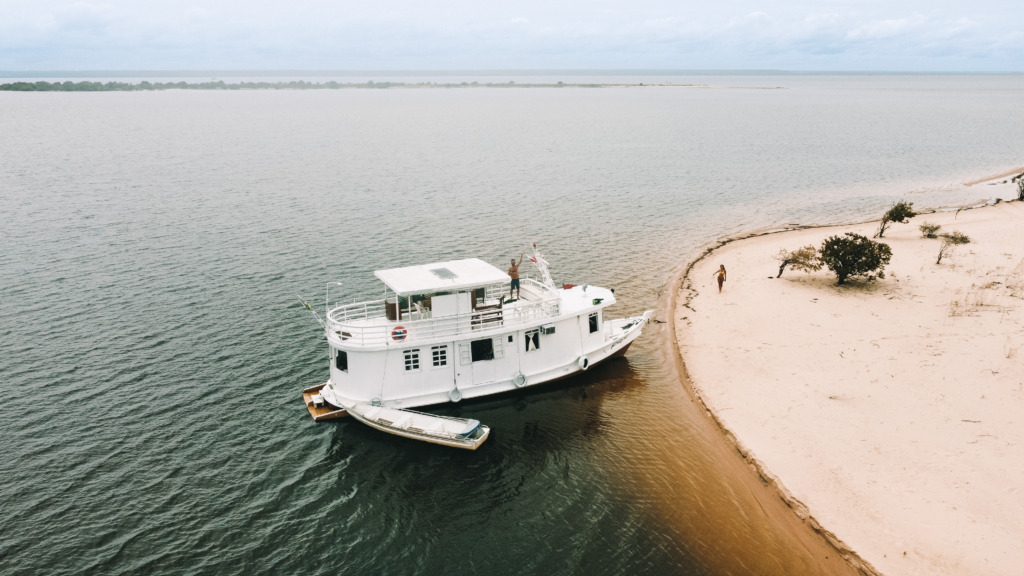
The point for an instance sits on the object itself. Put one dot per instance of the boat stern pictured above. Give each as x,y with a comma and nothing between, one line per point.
319,408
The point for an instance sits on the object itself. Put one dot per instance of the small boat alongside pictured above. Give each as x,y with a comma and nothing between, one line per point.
449,331
448,431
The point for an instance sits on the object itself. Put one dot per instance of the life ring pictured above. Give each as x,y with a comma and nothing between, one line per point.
399,333
454,395
519,380
583,362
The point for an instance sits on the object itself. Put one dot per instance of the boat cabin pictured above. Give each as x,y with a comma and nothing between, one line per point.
437,301
440,290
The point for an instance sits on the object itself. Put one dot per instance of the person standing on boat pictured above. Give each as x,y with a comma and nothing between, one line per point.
513,271
721,276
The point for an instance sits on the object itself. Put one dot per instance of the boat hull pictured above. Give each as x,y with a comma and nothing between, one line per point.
624,332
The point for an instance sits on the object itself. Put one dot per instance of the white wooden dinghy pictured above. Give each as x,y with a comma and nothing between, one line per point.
449,431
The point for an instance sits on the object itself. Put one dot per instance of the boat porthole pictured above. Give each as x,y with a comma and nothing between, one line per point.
399,333
454,395
520,380
583,362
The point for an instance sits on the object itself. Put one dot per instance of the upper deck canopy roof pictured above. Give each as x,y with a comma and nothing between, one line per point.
441,277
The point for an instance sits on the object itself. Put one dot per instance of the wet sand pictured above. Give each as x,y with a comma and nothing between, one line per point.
888,414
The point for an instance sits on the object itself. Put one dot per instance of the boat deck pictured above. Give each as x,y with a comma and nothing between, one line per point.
323,411
375,324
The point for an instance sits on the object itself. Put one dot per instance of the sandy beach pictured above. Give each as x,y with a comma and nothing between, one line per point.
889,413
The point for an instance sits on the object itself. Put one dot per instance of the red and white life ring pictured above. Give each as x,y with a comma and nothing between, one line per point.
399,333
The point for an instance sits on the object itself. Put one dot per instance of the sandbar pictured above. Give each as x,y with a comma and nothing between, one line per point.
889,412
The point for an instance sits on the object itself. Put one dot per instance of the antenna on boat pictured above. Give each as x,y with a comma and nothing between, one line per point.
542,265
327,296
310,308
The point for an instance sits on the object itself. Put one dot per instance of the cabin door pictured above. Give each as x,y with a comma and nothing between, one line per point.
485,361
464,366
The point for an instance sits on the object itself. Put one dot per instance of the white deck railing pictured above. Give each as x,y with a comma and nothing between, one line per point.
367,324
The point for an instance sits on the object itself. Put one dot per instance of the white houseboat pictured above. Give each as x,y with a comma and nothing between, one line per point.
448,331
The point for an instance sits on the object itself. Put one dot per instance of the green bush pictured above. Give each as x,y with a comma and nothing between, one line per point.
929,230
854,255
899,212
949,241
805,259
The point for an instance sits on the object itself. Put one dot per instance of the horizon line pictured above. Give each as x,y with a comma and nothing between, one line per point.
173,72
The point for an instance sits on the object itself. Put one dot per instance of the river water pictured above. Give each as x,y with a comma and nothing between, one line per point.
153,349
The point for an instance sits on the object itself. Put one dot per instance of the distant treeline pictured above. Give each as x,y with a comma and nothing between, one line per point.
87,86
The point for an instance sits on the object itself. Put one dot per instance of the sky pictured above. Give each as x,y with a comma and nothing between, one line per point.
797,35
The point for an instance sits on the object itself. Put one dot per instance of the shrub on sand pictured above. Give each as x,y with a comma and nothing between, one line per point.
899,212
949,241
929,230
805,259
855,255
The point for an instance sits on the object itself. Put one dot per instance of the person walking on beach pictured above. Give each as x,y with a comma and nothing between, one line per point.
513,271
721,276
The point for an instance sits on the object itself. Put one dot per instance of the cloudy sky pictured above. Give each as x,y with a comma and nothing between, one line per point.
893,35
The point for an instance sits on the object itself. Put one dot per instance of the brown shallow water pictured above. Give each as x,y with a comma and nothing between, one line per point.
737,520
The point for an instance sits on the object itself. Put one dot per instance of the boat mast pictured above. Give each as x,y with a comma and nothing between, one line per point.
307,306
542,265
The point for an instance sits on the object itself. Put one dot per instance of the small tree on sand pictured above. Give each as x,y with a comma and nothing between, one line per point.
949,241
805,259
855,255
929,230
1020,189
899,212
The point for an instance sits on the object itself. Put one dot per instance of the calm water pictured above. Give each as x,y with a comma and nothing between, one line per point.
153,350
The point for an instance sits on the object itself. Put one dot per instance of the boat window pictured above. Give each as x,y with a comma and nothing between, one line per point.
423,300
594,321
532,340
440,355
341,360
482,349
412,359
